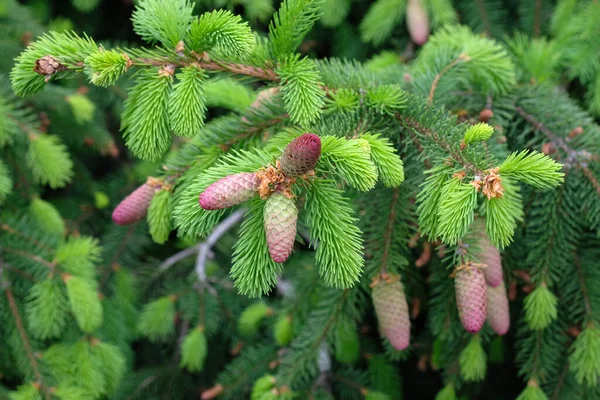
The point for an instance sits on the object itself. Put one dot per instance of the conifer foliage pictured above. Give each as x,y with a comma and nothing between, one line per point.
346,217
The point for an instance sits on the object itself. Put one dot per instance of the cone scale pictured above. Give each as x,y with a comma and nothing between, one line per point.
230,191
280,217
471,298
391,309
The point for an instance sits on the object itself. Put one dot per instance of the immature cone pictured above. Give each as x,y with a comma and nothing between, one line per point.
490,256
135,206
498,314
392,312
229,191
301,155
48,65
471,299
280,216
417,21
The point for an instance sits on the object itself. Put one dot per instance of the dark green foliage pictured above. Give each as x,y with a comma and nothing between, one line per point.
488,125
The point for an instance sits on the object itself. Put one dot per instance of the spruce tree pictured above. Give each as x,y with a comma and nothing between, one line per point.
428,201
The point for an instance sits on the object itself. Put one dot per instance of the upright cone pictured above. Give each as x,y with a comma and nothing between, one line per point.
392,312
490,256
301,155
471,299
417,21
498,314
230,191
280,217
135,206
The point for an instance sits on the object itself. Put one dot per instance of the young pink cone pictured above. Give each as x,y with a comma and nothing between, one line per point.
301,155
471,299
391,309
417,21
135,206
229,191
498,314
490,256
280,216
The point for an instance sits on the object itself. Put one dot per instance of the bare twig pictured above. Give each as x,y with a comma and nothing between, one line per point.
204,248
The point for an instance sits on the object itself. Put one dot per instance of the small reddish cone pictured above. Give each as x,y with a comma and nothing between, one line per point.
280,216
417,21
301,155
471,299
490,256
498,314
135,206
391,309
229,191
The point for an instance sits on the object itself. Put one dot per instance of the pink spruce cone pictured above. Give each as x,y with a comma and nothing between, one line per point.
301,155
229,191
471,299
417,21
280,216
498,314
135,206
391,309
490,256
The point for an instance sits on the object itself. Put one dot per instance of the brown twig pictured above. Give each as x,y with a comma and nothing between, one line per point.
436,80
23,334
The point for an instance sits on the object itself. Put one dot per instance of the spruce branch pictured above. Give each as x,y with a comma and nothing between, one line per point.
14,309
461,58
455,154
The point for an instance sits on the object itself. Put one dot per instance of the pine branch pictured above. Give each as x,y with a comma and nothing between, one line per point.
484,17
23,334
584,289
32,257
434,84
389,231
456,155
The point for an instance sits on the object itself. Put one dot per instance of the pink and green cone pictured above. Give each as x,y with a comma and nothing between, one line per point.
471,298
490,256
391,309
135,206
280,217
417,21
498,314
301,155
230,191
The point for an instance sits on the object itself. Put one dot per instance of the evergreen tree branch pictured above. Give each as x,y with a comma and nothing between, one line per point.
584,289
456,155
389,231
23,335
436,80
484,17
32,257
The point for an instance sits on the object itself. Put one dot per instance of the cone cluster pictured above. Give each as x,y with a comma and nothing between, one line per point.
471,297
391,309
230,191
135,206
280,212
